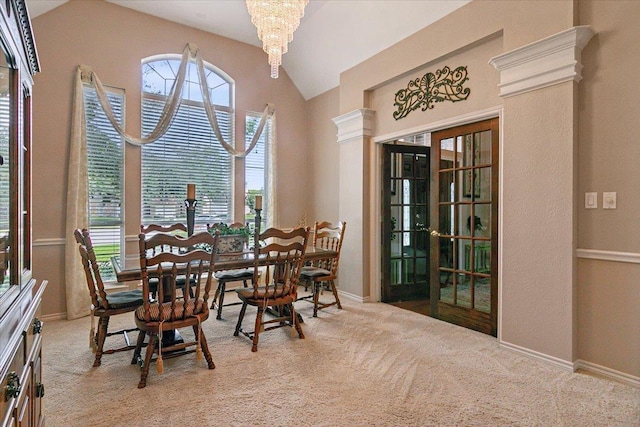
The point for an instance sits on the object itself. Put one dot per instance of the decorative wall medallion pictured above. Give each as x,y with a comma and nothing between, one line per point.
445,85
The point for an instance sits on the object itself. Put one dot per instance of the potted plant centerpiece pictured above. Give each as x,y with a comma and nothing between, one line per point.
233,238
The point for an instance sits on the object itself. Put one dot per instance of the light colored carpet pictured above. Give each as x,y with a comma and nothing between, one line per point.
366,365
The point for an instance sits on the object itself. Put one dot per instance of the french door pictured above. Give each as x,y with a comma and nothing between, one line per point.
405,212
464,226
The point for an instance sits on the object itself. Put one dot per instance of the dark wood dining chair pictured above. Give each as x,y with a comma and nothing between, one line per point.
324,272
196,258
178,229
104,305
243,275
282,254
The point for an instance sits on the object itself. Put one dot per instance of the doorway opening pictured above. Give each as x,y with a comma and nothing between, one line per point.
440,225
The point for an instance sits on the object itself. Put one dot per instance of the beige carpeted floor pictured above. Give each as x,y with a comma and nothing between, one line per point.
366,365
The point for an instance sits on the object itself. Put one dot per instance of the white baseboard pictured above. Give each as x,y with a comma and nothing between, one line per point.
603,371
52,317
353,297
628,379
564,364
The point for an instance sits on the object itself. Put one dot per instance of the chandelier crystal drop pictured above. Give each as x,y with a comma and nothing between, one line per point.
276,20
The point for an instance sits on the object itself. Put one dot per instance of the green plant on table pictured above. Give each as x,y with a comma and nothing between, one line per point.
225,230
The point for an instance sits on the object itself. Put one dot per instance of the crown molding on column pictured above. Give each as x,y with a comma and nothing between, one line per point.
355,124
552,60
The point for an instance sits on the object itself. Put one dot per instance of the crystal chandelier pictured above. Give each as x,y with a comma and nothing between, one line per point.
276,20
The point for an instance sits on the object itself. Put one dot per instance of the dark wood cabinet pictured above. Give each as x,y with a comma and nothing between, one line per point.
21,383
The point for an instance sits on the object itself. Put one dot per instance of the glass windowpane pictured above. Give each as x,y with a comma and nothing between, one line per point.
190,149
105,169
483,147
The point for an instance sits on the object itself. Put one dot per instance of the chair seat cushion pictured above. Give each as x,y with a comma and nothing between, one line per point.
124,299
180,282
182,310
273,293
246,273
312,272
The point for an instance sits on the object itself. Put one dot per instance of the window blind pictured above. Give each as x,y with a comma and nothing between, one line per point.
256,166
188,153
105,167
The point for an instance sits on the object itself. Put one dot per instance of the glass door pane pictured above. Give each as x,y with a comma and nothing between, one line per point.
405,228
5,177
463,267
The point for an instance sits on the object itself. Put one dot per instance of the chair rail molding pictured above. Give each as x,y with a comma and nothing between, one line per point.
355,124
552,60
49,242
630,257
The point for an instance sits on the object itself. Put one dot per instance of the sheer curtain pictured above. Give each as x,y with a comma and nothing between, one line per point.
78,303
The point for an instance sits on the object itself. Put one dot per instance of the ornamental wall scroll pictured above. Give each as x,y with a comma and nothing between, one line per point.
445,85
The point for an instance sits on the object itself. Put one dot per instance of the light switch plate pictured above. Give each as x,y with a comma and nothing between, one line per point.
609,200
590,200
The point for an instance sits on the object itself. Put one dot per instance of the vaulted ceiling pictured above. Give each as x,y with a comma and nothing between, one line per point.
334,35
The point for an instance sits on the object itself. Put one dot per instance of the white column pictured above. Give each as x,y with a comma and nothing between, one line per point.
538,308
354,138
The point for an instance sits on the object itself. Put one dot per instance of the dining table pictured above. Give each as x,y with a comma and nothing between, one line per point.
130,271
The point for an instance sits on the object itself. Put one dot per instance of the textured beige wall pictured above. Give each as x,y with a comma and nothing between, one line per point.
547,306
530,184
483,82
113,40
609,292
609,151
520,22
608,315
323,161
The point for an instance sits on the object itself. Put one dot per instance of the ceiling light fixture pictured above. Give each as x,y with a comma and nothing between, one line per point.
276,20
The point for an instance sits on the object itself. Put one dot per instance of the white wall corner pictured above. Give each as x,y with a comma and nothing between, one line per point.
552,60
355,124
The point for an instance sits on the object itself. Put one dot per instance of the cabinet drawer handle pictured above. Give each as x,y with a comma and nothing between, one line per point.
37,326
12,389
39,389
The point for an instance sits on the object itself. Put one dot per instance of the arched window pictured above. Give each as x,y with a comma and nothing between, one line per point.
189,152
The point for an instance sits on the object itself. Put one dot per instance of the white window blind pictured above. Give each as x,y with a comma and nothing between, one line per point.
256,167
188,153
105,158
5,116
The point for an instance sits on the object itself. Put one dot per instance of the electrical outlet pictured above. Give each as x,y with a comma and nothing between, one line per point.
609,200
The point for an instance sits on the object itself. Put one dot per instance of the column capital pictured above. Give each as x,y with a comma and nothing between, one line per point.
355,124
552,60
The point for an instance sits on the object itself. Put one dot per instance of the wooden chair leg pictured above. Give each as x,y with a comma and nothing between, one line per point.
136,353
147,360
103,325
295,322
204,347
335,294
256,332
240,317
316,297
214,301
222,286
